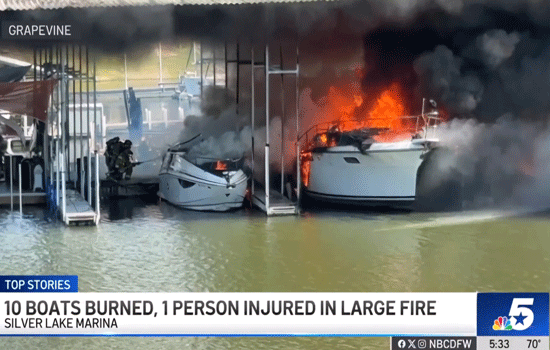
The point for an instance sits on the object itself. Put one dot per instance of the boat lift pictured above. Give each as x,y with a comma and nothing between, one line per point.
280,199
71,143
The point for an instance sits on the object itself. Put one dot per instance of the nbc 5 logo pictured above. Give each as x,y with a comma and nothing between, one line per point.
517,314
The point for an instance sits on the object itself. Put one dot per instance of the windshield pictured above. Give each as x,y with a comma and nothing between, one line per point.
178,163
17,146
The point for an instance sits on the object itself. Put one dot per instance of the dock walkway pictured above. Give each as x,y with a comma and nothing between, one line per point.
28,197
278,204
78,210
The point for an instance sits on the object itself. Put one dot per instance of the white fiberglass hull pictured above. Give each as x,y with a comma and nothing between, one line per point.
384,174
201,190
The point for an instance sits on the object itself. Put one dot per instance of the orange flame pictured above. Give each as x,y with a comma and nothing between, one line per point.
220,165
347,112
387,110
305,160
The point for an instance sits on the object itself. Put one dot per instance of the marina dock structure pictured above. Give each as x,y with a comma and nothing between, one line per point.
279,197
224,66
73,134
71,139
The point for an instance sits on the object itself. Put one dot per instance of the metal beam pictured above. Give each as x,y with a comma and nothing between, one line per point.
280,71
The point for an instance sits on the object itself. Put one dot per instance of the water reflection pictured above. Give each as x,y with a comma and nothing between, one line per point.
123,207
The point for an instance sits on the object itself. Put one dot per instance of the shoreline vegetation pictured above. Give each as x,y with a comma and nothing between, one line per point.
142,64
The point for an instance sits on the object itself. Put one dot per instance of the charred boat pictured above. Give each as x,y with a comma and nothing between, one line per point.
199,183
367,166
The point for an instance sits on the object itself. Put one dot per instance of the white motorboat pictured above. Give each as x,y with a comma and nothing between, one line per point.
364,166
202,183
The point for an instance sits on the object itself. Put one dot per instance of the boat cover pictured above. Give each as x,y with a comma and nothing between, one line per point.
30,98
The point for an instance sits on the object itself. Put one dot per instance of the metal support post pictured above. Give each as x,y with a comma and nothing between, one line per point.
267,185
214,62
160,63
63,188
97,182
298,161
11,182
225,63
20,191
202,83
80,136
252,117
91,140
282,125
97,186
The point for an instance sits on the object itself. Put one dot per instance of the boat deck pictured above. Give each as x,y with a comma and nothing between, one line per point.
28,197
278,204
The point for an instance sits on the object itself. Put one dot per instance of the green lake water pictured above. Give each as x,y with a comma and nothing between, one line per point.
145,247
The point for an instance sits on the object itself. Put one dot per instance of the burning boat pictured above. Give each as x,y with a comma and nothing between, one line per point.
200,183
368,163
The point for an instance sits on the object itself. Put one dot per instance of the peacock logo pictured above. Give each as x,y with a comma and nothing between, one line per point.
502,324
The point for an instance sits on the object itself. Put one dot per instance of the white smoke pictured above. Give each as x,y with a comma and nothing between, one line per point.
497,46
506,161
227,134
222,129
229,145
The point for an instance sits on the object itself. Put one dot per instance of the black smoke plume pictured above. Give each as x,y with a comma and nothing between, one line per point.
485,61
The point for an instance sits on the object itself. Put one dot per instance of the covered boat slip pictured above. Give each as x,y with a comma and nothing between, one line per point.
280,198
67,140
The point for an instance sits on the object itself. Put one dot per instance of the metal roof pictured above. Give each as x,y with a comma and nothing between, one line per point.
58,4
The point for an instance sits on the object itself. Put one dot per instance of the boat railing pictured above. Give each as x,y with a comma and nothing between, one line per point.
416,125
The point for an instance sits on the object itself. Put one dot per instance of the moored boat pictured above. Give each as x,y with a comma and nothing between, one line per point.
200,183
367,166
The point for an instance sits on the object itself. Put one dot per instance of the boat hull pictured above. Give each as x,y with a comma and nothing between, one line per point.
386,177
202,196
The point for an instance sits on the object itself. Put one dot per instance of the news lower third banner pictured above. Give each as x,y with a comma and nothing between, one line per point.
444,320
233,314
